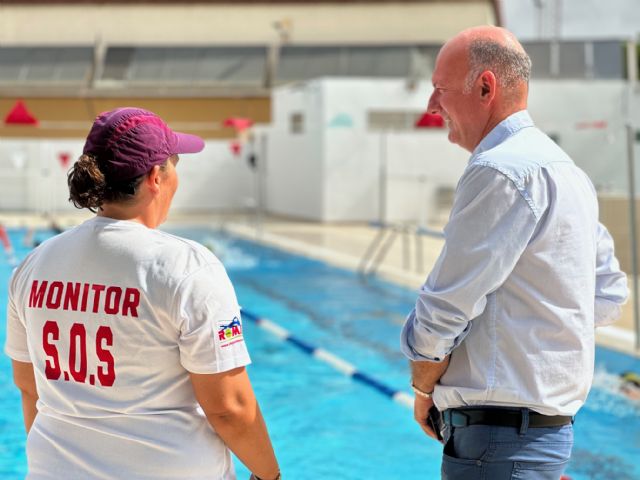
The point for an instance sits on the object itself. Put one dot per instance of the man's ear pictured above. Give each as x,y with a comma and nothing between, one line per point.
487,84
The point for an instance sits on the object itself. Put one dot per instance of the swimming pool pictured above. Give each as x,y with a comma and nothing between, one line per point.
323,424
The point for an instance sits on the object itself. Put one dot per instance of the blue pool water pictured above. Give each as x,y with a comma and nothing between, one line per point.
324,425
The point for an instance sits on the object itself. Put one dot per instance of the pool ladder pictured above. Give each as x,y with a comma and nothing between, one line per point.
377,250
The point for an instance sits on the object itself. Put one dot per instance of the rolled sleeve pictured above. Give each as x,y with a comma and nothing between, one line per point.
419,337
491,224
611,283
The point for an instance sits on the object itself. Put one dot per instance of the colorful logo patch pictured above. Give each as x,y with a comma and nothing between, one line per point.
230,332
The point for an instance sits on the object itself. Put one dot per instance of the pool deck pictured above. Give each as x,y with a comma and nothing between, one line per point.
407,261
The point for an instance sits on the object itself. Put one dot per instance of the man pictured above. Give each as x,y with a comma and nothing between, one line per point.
502,334
126,341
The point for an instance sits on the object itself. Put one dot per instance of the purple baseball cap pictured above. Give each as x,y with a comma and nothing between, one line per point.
128,142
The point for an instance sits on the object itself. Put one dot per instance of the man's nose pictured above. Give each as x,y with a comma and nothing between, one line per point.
434,103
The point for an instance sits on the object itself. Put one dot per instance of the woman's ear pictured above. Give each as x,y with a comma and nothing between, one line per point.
154,179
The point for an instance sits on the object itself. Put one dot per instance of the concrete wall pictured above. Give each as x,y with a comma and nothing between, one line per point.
588,118
248,24
342,156
354,155
293,173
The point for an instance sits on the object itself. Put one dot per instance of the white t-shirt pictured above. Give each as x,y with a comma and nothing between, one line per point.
113,315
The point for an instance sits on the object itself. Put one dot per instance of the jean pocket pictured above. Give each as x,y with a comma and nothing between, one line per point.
469,443
461,461
460,468
538,471
464,453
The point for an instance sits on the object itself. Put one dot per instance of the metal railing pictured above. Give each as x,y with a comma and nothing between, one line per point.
379,247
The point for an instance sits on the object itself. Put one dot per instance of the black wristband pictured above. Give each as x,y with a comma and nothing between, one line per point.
255,477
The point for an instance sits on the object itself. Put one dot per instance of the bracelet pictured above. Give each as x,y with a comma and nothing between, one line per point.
421,393
255,477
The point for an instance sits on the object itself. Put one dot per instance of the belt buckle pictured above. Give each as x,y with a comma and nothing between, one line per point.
459,419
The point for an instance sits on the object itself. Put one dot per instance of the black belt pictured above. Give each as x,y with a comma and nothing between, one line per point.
501,417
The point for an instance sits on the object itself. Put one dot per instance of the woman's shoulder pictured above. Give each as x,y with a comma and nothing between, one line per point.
181,249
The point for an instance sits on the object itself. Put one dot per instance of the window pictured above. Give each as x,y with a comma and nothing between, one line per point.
298,63
396,120
598,59
608,60
45,65
296,122
572,60
540,54
186,65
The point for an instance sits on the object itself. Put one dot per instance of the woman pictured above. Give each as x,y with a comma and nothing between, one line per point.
119,332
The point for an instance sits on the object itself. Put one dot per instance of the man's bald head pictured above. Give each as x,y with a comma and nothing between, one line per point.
495,49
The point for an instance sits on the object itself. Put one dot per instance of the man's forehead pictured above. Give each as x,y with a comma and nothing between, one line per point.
450,62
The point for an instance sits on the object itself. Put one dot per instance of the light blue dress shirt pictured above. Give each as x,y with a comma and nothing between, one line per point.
525,275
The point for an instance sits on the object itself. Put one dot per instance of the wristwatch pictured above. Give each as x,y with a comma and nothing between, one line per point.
421,393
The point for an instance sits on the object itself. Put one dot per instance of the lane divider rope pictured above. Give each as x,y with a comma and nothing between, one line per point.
330,359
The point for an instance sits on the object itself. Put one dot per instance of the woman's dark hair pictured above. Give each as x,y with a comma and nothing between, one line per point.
89,187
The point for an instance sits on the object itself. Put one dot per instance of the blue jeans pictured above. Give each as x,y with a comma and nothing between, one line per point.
499,453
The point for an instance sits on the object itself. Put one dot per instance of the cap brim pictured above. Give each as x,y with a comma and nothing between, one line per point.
188,143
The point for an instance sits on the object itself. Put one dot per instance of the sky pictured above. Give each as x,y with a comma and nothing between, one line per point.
579,19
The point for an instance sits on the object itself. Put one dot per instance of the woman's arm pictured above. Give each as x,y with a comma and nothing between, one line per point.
228,400
24,379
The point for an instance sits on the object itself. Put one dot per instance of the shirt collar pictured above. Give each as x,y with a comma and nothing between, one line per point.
510,125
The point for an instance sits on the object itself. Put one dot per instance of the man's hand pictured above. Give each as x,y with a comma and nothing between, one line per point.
421,408
424,376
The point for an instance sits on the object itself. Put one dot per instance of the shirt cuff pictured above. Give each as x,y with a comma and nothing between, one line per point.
218,367
606,312
417,344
